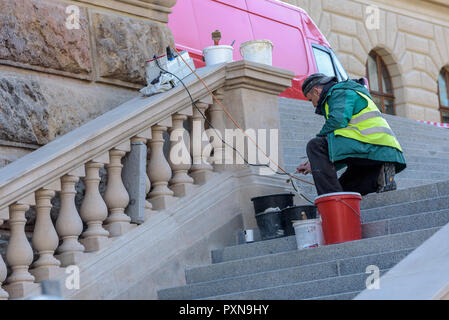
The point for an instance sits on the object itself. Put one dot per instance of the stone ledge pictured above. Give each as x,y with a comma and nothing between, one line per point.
251,75
75,148
19,144
156,10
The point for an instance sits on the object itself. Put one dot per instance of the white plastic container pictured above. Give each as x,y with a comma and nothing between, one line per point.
308,233
249,235
217,54
260,51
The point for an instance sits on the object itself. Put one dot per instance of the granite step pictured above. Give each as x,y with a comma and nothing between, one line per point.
304,290
294,258
304,273
371,229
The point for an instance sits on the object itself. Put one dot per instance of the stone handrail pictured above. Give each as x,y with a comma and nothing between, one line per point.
50,162
33,180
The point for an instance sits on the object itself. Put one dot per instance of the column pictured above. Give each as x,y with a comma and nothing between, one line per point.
179,159
93,209
19,254
45,239
69,224
159,170
116,196
218,122
201,169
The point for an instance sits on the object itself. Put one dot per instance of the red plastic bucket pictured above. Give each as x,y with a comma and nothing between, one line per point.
340,215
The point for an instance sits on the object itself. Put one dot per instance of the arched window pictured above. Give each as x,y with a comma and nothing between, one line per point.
443,92
380,85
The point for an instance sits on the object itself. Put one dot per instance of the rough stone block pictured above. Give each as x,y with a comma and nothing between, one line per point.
34,33
35,110
24,113
124,44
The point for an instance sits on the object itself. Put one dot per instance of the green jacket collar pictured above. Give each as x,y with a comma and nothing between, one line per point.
348,84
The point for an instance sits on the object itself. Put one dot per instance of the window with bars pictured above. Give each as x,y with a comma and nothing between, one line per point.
380,83
443,93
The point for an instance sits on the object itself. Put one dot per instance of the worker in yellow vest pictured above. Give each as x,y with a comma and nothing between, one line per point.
355,135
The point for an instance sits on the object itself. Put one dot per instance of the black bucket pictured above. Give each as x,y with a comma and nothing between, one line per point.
281,201
295,213
270,224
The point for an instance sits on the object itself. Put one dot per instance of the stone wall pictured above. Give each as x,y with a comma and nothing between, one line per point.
412,38
63,63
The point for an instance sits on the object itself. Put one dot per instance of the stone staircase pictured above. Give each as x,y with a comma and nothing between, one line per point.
394,224
59,207
128,198
425,147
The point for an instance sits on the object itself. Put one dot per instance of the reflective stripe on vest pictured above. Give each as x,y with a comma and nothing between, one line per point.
368,126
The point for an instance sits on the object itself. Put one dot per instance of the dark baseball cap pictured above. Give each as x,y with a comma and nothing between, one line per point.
315,80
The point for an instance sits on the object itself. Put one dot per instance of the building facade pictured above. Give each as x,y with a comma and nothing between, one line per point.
65,62
401,46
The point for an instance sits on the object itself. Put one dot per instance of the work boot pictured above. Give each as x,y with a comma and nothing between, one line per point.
385,181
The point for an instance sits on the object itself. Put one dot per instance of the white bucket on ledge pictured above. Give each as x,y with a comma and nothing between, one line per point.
260,51
217,54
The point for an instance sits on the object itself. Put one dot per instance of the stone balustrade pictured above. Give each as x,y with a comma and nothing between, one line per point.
119,142
103,215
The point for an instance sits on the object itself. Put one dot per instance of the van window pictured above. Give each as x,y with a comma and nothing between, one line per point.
324,62
342,76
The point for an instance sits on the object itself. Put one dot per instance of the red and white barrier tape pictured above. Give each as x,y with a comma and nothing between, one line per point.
436,124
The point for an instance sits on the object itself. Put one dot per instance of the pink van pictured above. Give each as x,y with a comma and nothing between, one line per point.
298,43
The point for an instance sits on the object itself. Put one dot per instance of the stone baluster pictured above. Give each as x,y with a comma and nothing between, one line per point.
19,254
179,159
69,224
93,209
159,170
45,239
201,169
116,196
3,273
217,120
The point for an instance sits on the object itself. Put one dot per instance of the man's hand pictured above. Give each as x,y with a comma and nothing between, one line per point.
304,168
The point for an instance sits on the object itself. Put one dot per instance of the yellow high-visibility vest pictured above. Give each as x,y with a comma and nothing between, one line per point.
368,126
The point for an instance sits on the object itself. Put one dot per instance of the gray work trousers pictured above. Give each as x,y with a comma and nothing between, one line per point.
360,176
